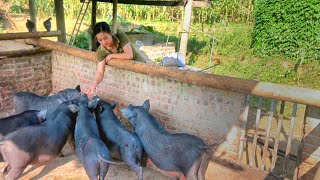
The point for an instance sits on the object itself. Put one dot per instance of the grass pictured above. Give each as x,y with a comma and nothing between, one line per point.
232,45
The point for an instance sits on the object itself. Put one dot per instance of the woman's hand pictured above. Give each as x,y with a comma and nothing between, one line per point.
108,58
91,91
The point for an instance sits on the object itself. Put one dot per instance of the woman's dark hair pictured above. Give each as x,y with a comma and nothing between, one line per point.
101,27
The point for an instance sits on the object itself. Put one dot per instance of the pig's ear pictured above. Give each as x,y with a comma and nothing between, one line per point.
59,101
73,108
93,103
42,114
100,109
127,112
78,88
146,105
114,104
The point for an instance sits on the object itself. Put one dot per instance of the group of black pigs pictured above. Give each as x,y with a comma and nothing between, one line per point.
40,128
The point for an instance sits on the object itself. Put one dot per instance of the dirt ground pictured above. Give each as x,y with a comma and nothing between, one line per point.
69,167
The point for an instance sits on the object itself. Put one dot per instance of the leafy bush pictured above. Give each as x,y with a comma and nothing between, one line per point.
82,41
287,27
1,27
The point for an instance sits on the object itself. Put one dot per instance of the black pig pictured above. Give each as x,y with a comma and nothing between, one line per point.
91,151
171,152
37,145
113,130
27,118
29,101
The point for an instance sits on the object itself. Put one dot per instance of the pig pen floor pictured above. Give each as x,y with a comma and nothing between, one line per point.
69,167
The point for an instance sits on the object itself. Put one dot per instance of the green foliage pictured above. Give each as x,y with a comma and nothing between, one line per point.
17,6
232,10
44,8
82,41
1,27
287,27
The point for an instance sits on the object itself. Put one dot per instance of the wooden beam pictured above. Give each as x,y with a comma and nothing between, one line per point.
25,35
149,3
45,43
22,52
245,86
58,5
161,3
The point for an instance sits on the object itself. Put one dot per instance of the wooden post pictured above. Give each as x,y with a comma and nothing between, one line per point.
114,16
58,4
24,35
186,28
33,13
93,22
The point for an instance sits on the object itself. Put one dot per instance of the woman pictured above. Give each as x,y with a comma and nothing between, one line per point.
112,46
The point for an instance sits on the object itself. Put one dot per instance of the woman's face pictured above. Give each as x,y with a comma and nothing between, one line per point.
105,39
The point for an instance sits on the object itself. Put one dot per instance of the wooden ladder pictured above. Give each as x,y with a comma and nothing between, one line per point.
76,28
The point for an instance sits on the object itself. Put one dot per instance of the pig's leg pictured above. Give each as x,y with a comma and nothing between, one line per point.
144,159
71,143
138,170
104,167
5,168
129,157
192,173
15,172
204,165
92,168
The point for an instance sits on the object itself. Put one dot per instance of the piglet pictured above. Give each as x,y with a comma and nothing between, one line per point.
37,145
91,151
113,130
171,152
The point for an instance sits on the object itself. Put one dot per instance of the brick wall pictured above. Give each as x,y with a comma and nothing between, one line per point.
28,73
310,155
209,113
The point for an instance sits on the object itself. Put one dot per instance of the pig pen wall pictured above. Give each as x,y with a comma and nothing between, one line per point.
209,113
26,73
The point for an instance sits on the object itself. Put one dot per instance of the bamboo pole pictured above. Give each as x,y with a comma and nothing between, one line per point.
25,35
255,136
266,140
288,149
263,89
243,128
277,139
